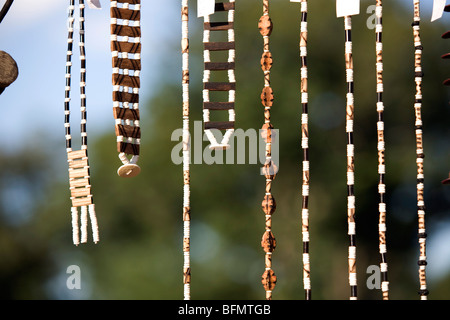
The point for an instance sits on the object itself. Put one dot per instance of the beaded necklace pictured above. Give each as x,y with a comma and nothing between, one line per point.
350,160
305,147
268,242
209,66
126,67
186,149
423,292
381,150
79,175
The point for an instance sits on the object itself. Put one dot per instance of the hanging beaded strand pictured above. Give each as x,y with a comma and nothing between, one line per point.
126,68
350,160
381,151
305,147
423,292
186,150
229,66
79,175
268,242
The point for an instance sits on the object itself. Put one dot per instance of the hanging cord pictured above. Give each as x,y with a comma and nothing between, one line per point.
268,242
305,147
350,160
209,86
79,175
126,69
5,9
186,150
423,292
381,151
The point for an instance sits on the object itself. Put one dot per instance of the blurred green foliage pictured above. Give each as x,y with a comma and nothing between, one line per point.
139,255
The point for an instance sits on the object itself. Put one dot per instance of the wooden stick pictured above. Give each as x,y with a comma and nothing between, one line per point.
5,9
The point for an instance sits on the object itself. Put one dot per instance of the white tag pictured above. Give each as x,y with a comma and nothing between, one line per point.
347,7
205,7
295,1
438,9
94,4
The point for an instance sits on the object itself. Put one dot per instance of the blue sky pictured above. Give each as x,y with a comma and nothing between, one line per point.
34,33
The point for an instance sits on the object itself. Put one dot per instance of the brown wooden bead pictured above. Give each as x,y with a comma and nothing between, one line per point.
8,69
128,131
125,14
220,125
269,280
267,96
125,63
269,204
129,1
268,242
266,61
219,46
266,132
125,113
265,25
269,170
216,26
187,275
122,46
126,81
125,31
128,148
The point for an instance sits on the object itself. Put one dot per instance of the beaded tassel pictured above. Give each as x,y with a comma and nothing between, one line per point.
228,66
305,147
350,160
381,150
126,68
79,175
423,292
268,242
186,150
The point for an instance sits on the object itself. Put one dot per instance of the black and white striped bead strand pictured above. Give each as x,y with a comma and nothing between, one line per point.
305,147
381,151
79,175
350,159
70,26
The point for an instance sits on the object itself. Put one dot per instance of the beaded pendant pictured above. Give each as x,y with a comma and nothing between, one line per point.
79,174
217,67
126,66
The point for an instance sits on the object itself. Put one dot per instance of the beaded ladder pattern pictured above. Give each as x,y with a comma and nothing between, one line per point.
186,150
79,175
268,242
229,86
381,150
350,160
305,147
126,68
423,292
